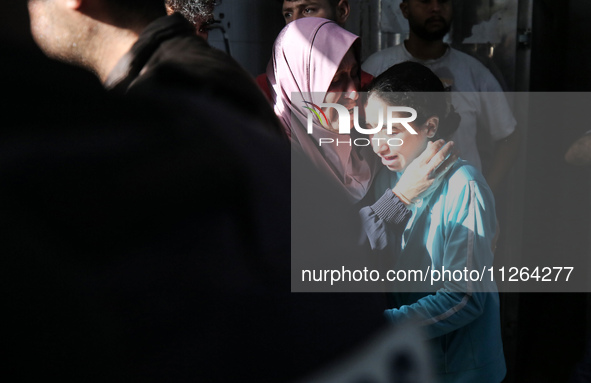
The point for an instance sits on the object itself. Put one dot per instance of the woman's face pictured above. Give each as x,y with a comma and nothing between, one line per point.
396,158
344,89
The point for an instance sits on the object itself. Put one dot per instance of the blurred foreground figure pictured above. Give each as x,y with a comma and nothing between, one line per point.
134,250
149,241
134,47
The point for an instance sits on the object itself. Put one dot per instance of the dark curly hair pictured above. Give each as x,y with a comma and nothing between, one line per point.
193,10
414,85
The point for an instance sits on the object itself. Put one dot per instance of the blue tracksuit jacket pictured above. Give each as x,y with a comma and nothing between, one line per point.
453,228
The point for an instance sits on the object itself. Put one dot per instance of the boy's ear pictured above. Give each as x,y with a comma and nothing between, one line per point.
432,124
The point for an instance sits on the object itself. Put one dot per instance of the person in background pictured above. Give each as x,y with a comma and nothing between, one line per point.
198,12
488,114
335,10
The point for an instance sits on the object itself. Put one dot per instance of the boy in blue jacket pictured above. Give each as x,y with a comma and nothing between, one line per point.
452,229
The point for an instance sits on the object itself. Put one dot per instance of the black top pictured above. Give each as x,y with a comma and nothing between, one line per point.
169,55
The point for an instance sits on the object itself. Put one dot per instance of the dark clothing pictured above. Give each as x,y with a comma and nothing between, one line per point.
138,247
150,241
168,55
388,211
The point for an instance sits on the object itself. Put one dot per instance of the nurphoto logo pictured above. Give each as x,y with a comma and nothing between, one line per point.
392,117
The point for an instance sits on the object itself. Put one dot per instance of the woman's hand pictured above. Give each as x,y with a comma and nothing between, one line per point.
423,174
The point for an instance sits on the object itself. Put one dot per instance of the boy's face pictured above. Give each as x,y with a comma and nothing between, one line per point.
395,158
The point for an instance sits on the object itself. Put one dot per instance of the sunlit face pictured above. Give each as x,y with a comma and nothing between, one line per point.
396,158
293,10
344,89
428,19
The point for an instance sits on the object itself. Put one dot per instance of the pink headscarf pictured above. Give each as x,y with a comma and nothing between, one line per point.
306,56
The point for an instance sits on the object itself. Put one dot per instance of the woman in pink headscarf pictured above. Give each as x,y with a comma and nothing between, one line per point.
315,61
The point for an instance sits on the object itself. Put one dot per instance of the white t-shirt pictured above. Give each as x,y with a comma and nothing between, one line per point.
487,113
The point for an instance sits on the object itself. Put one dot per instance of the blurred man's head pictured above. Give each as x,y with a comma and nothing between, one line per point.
428,19
198,12
336,10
